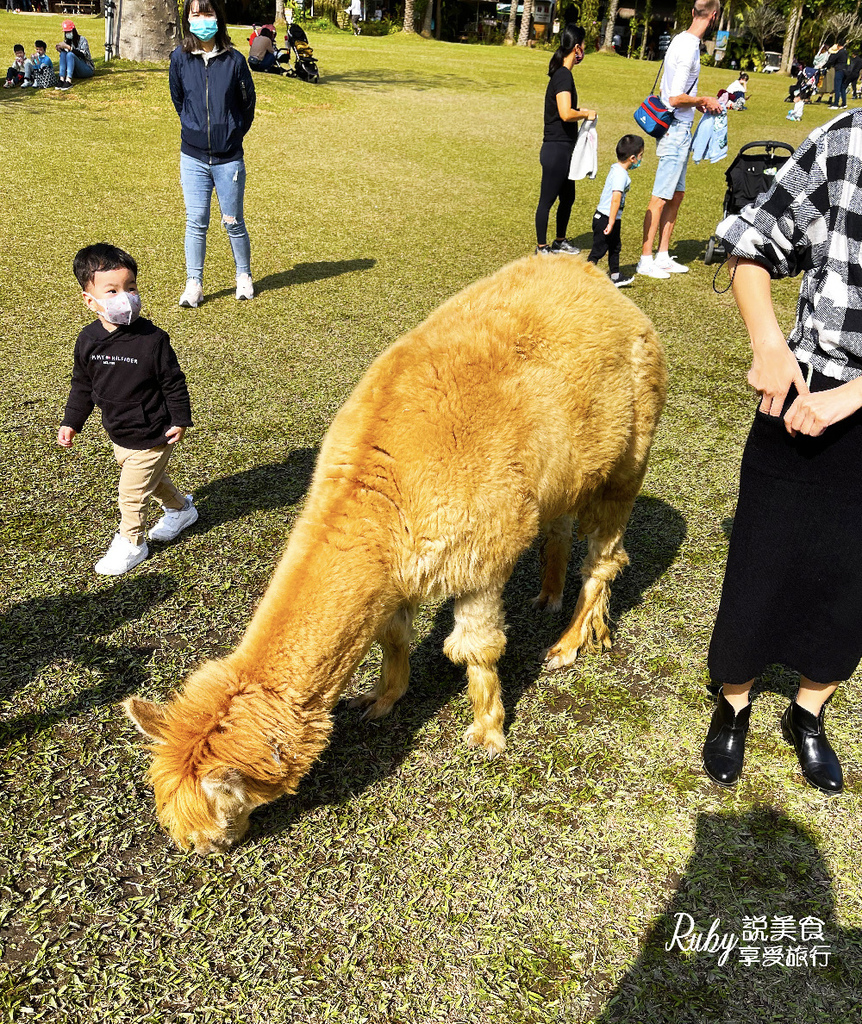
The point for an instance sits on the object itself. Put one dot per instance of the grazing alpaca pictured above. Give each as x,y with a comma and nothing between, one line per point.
527,400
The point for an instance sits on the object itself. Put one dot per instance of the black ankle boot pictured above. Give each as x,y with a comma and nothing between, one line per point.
819,762
724,749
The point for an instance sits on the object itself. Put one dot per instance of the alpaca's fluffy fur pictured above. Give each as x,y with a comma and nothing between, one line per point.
525,402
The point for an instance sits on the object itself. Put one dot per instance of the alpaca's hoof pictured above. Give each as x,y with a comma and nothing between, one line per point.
547,602
492,740
371,706
560,657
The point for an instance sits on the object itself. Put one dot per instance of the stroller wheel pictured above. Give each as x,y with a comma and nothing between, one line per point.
710,251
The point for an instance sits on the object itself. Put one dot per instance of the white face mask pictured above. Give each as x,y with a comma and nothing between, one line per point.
121,309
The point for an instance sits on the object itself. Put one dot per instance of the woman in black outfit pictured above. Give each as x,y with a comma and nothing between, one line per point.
558,142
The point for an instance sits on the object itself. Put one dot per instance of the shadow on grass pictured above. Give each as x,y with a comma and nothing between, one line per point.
302,273
756,865
62,628
421,82
361,753
276,485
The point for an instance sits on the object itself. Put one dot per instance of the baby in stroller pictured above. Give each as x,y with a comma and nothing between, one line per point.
803,87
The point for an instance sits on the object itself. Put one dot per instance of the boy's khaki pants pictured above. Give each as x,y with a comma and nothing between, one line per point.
143,475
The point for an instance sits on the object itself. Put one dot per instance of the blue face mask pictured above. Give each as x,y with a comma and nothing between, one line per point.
204,28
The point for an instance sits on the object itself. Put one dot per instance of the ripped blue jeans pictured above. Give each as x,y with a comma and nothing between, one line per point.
198,179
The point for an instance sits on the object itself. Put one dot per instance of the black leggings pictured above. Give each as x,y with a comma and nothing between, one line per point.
555,158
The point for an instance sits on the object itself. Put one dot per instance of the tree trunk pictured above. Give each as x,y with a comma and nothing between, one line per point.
146,29
513,20
438,20
280,20
608,43
647,15
426,24
524,36
791,36
408,17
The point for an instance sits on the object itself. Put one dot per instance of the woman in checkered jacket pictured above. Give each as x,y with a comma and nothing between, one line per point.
792,590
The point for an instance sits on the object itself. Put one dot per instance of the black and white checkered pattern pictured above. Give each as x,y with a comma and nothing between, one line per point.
810,221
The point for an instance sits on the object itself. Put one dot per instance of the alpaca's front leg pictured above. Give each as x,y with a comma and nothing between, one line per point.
394,671
478,641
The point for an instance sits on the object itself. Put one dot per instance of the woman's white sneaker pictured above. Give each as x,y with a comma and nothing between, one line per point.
121,556
244,287
174,521
669,264
647,266
193,295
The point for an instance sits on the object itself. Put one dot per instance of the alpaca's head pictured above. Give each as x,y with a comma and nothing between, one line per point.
203,804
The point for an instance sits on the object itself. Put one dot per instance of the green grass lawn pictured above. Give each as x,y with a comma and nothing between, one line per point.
411,879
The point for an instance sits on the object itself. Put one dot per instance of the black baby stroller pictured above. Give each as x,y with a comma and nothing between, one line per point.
304,63
752,172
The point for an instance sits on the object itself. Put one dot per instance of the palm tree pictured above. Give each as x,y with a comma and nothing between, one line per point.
426,23
510,28
608,43
408,17
524,36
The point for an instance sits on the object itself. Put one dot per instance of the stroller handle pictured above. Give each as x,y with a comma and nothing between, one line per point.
768,144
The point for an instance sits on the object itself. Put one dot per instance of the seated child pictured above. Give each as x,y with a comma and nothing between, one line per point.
126,366
608,218
15,74
796,113
38,69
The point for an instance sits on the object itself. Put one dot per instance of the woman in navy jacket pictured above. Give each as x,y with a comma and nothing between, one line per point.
212,90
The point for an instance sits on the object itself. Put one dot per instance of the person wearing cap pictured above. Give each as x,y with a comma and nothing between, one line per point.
261,55
75,59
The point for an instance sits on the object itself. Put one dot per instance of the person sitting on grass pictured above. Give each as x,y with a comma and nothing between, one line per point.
608,218
75,59
261,55
38,69
126,365
15,74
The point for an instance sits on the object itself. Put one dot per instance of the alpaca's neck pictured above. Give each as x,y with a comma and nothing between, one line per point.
319,615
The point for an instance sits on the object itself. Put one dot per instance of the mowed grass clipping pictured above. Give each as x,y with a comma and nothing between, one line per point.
411,879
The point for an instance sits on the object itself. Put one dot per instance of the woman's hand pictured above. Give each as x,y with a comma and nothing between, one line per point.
773,370
589,115
811,414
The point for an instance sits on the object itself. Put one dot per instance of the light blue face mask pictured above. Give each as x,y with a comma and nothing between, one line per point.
204,28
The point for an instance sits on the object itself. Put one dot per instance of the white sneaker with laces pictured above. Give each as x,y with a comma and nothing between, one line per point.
647,267
121,556
244,287
193,295
174,521
669,264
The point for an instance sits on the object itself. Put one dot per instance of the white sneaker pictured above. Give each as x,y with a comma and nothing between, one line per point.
669,264
647,267
244,287
174,521
193,296
121,556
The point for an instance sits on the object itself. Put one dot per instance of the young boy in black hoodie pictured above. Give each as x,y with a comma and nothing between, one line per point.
125,365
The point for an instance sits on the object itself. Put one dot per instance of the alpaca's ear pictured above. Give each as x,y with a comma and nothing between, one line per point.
226,787
149,718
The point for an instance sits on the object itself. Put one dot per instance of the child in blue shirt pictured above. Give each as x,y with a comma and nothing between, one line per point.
608,218
36,66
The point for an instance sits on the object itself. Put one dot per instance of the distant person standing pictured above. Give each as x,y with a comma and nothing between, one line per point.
213,93
841,63
678,90
853,70
558,142
355,11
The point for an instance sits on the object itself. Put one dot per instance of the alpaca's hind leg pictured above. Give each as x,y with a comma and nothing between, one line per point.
605,558
395,670
556,548
478,641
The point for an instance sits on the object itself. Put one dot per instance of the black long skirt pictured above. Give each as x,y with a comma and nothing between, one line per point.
792,590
